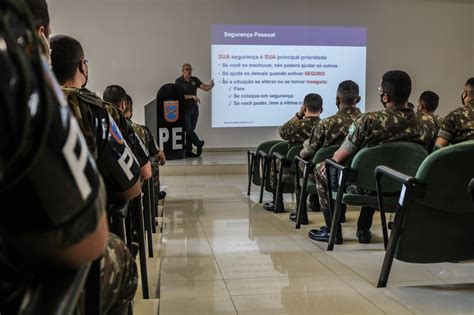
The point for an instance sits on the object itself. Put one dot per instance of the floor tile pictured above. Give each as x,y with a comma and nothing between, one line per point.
189,269
325,302
193,289
199,305
266,265
285,285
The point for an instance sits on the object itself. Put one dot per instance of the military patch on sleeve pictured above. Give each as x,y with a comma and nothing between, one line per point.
114,131
352,128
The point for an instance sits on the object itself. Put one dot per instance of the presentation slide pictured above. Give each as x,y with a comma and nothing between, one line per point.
263,72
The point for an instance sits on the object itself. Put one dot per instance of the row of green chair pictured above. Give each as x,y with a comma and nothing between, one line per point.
435,214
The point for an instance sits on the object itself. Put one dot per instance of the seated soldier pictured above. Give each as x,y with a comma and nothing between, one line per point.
147,137
458,125
333,130
427,104
71,69
296,131
49,175
118,97
396,122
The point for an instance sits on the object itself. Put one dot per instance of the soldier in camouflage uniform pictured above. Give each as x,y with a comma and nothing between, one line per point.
427,104
118,165
332,130
296,131
396,123
458,125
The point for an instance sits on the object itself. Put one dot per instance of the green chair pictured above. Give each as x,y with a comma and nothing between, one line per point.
253,163
284,175
434,218
305,185
403,156
265,164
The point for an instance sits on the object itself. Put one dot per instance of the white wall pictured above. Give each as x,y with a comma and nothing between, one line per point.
141,44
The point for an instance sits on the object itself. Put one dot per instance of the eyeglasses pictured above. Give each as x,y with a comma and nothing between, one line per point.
188,69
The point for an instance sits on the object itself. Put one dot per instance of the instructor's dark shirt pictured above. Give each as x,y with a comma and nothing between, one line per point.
189,88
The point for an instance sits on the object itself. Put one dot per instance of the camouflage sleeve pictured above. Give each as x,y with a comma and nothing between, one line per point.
286,130
151,143
317,136
295,131
448,127
356,136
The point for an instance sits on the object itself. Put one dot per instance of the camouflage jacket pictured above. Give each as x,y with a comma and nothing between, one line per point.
390,125
332,130
438,120
146,137
458,125
297,131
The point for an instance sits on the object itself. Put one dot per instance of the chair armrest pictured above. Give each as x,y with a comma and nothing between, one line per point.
332,163
390,172
263,154
252,153
299,159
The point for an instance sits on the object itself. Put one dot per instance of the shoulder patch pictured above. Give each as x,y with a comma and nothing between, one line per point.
114,131
89,97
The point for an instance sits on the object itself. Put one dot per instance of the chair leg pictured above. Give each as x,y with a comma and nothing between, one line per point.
336,215
389,254
263,180
301,212
384,228
250,158
147,217
279,190
137,207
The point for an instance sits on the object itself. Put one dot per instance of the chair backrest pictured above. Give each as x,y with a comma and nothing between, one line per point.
265,147
402,156
447,173
438,226
292,152
325,153
282,148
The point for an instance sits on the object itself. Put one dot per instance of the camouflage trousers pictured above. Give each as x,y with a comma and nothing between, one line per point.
321,186
118,277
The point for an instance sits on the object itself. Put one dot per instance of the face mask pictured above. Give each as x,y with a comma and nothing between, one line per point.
463,99
87,79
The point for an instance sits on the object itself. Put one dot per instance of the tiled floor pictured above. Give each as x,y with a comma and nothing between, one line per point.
223,254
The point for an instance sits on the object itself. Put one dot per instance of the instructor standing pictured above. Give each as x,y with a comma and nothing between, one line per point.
190,84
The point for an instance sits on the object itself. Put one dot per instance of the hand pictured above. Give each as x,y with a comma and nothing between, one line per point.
302,110
161,158
197,99
212,84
